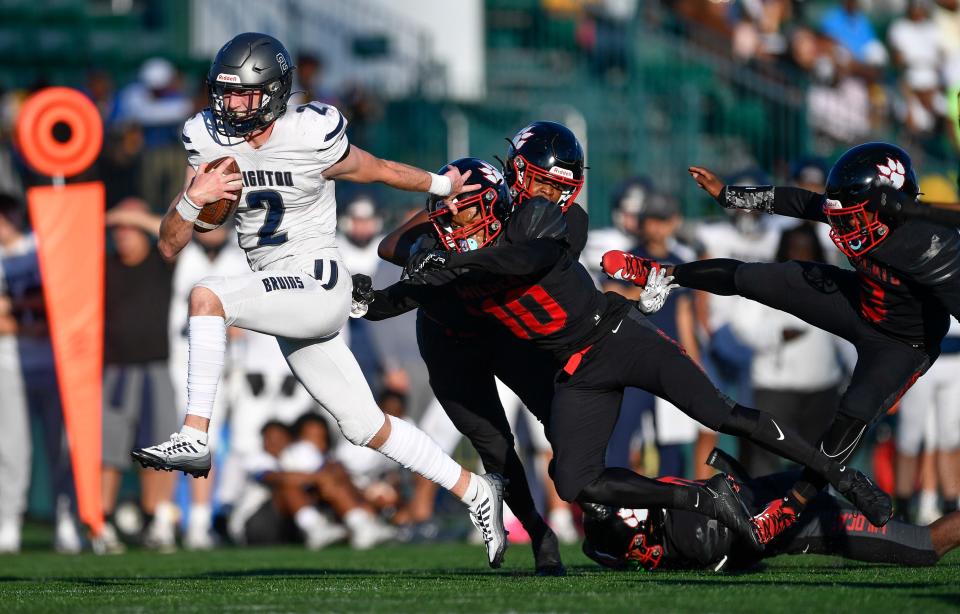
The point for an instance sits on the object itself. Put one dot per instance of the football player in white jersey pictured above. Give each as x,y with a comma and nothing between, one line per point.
298,290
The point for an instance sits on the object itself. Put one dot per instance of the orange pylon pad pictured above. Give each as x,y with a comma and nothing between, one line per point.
69,226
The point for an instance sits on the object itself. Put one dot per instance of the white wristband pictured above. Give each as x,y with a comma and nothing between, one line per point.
440,185
188,209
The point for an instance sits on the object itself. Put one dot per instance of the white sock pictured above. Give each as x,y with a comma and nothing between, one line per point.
472,496
357,519
413,449
195,434
306,518
207,347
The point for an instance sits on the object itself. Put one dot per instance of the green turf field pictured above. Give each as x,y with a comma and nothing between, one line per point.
451,578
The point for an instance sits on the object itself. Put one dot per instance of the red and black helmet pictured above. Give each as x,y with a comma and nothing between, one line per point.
853,192
491,201
545,150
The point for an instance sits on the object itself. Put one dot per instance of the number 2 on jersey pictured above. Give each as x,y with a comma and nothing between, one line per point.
530,314
273,203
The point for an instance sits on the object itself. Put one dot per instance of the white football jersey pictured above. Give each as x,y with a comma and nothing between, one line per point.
287,208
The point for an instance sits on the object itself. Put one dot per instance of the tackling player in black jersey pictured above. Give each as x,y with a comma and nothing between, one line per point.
527,281
462,351
894,306
671,539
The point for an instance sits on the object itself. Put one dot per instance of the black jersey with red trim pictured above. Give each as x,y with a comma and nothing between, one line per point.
909,283
529,285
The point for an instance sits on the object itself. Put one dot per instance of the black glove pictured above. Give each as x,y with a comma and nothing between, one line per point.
425,261
362,289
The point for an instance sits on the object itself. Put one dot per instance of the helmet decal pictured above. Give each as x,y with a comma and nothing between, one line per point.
522,137
892,173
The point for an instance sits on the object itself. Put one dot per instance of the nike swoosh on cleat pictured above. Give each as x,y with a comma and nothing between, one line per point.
777,426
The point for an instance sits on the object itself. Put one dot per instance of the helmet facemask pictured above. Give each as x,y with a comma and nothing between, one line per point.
475,224
854,229
525,172
265,103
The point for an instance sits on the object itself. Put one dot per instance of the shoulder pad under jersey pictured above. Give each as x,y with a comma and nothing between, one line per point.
538,218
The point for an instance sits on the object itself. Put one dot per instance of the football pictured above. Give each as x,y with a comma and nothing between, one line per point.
216,213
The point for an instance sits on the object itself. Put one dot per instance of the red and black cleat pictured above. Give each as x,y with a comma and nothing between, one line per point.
776,518
627,267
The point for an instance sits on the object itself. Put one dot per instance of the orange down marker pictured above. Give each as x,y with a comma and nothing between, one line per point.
60,133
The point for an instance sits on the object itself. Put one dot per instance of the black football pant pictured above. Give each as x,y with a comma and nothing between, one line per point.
827,297
586,404
462,369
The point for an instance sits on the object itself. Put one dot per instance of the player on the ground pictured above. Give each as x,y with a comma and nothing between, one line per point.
298,289
527,282
671,539
544,159
894,307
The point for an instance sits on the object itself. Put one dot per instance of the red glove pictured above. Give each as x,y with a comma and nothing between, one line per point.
627,267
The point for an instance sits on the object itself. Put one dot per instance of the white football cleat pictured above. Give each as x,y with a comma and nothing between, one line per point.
486,513
180,453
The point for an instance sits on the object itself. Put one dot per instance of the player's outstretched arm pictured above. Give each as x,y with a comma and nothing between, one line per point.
792,202
361,167
397,246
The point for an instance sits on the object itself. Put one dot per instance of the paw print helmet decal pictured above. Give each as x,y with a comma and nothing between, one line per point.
853,192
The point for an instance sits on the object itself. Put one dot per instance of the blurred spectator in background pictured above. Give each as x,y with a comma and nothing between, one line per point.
919,53
838,99
758,32
308,81
121,162
796,370
848,25
139,404
625,207
213,253
158,103
99,87
28,383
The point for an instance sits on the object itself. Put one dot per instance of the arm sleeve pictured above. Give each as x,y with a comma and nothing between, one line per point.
395,300
798,203
510,259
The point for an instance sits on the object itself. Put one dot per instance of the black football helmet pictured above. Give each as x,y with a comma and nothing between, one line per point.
853,191
490,201
256,65
549,151
620,538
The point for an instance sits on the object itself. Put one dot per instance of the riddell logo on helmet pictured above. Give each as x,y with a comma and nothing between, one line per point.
892,173
225,78
561,172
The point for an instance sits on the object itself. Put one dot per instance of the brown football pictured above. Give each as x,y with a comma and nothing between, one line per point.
212,215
